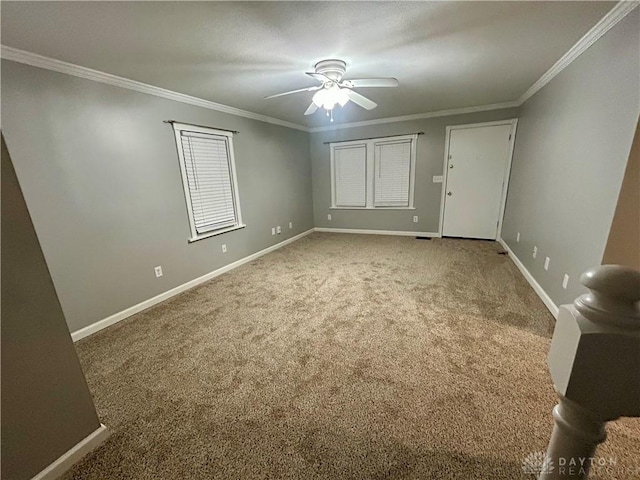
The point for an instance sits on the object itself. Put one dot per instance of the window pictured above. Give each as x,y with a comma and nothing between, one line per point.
350,164
209,180
376,173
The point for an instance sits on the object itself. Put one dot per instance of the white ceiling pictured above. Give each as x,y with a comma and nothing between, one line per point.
446,55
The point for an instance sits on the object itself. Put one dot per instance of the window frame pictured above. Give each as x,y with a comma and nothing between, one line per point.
370,171
178,128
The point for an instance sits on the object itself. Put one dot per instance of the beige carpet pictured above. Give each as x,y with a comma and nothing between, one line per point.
337,357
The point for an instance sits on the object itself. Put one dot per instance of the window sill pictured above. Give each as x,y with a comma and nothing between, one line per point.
372,208
215,232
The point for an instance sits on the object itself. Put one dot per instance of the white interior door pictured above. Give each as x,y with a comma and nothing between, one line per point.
476,171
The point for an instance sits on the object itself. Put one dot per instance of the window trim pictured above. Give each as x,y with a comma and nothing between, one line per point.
195,236
370,171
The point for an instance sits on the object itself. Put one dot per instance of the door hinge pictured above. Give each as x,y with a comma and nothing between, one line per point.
449,157
509,136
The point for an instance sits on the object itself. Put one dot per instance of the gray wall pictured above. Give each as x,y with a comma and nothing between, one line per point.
623,244
430,159
572,146
100,175
46,405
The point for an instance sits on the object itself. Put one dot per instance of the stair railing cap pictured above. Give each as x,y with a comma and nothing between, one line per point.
614,296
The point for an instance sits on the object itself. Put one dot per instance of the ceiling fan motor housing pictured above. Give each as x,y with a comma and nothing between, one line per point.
333,69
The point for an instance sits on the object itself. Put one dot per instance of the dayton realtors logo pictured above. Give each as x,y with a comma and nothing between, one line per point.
536,463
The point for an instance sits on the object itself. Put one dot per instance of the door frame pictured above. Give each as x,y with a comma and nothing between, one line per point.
505,185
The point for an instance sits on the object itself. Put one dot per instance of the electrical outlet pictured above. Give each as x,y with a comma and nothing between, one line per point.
535,251
158,271
565,281
290,225
438,179
546,263
224,248
273,230
278,229
415,219
518,237
328,216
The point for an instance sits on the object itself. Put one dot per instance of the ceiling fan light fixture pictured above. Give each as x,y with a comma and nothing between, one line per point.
343,97
328,98
319,97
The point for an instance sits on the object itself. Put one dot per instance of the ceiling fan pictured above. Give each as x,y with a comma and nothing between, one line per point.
333,90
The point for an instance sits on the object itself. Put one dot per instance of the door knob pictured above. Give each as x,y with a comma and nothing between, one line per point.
451,166
449,193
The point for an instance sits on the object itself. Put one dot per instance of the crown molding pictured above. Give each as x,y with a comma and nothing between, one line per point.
613,17
418,116
606,23
35,60
40,61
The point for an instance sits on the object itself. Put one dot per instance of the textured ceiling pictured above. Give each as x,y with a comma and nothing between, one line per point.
446,55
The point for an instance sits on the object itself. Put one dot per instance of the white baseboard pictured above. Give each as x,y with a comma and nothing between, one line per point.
377,232
546,299
115,318
72,456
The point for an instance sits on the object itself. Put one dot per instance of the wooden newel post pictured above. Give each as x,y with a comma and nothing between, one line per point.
594,361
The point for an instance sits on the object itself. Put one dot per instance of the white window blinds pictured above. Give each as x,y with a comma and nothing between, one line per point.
350,164
392,171
209,184
374,172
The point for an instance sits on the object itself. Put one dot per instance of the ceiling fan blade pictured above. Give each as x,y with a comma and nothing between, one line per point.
372,82
361,100
312,108
308,89
319,76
